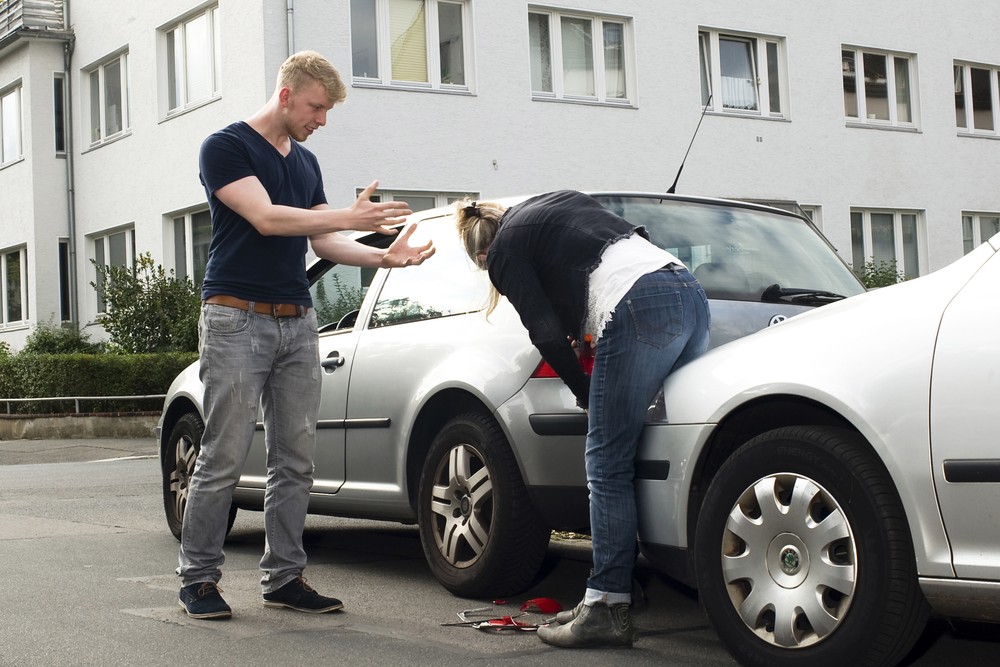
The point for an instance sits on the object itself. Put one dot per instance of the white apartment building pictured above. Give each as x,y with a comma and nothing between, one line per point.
880,119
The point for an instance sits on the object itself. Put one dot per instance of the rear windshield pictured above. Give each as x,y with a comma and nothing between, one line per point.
736,253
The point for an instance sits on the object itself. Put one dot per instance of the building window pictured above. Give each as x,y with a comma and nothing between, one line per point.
108,86
65,289
113,249
421,201
742,73
581,57
192,235
880,236
879,87
14,287
978,228
59,112
412,43
193,60
10,125
977,98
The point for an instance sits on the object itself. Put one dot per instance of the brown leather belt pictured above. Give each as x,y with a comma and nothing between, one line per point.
272,309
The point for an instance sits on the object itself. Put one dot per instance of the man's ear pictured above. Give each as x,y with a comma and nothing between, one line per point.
283,95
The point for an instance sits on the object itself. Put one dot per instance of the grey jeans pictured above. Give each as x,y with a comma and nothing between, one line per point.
249,359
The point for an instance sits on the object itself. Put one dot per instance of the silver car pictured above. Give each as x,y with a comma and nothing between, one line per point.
827,482
434,414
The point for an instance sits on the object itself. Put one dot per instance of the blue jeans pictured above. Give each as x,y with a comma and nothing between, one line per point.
248,360
660,324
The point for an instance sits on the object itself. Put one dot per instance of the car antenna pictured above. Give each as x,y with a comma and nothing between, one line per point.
677,177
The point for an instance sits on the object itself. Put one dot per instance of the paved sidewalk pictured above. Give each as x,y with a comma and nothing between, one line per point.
16,452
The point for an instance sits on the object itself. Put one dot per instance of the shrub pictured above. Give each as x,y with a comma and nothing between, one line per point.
882,274
148,309
49,338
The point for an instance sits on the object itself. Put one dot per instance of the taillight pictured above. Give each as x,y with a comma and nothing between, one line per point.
585,358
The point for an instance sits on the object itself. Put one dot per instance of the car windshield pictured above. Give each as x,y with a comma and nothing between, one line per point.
739,253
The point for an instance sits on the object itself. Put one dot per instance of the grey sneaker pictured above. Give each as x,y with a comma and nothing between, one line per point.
300,596
597,625
203,600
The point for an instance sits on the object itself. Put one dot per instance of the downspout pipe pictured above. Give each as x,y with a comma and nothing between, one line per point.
290,23
74,307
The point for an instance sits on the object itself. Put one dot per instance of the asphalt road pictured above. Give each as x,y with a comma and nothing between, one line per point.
89,581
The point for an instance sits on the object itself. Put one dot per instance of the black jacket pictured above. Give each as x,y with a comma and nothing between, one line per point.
541,260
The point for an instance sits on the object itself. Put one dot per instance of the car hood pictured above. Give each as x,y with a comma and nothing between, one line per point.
874,349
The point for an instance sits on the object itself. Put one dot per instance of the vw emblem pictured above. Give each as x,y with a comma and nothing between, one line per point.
775,319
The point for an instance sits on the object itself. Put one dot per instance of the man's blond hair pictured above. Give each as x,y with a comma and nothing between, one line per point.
306,67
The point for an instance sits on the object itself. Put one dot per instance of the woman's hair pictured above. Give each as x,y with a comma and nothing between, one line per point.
478,223
305,67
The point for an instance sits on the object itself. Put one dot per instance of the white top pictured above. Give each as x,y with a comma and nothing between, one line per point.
622,263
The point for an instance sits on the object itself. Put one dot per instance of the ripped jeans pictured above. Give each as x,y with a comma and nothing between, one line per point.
249,359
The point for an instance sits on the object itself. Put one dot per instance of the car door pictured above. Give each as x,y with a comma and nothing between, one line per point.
965,440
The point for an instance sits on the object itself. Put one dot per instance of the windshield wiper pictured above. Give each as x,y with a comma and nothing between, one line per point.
801,296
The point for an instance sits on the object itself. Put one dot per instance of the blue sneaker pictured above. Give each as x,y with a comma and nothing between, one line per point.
300,596
203,600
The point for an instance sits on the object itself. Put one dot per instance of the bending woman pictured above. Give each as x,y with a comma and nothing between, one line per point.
571,267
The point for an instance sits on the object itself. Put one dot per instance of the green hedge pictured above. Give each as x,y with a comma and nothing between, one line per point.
47,375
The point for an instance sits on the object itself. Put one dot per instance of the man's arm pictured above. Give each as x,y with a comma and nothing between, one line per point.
342,250
248,198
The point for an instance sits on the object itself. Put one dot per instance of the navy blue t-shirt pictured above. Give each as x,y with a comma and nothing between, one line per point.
241,261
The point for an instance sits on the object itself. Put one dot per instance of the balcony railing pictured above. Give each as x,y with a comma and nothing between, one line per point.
16,15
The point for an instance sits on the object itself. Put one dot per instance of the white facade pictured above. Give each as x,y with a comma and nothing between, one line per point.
915,172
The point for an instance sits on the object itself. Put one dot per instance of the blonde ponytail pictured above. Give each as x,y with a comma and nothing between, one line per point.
478,223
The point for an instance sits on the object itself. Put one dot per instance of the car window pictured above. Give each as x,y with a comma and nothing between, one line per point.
447,284
338,293
737,252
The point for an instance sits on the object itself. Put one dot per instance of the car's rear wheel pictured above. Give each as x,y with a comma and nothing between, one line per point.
480,534
179,459
804,556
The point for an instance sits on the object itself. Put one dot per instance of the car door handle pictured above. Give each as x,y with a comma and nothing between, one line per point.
332,362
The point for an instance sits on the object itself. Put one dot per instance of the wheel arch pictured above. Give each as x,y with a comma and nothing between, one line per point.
180,406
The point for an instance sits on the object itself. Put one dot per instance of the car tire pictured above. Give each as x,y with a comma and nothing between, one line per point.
179,458
803,554
480,534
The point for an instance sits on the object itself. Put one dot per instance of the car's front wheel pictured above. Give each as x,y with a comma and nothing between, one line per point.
804,555
179,457
480,534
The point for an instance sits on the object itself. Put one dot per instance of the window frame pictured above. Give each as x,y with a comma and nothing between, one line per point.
383,78
103,240
972,236
866,119
964,88
99,68
59,133
185,263
710,76
599,72
899,250
175,62
22,252
440,198
17,153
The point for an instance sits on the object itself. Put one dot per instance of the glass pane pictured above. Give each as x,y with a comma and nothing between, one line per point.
95,106
988,226
968,241
418,202
773,79
364,42
578,57
173,68
10,113
201,238
876,87
614,60
911,261
451,44
960,96
541,52
883,238
99,260
739,78
408,40
199,59
14,286
180,248
706,67
59,110
64,292
903,114
858,256
982,99
112,98
116,247
849,68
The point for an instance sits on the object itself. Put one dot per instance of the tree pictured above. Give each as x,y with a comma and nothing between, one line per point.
148,309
